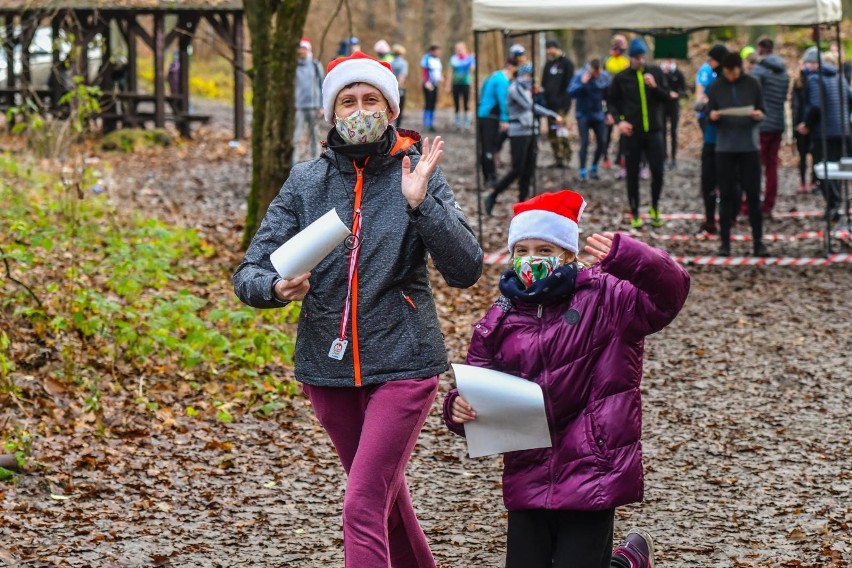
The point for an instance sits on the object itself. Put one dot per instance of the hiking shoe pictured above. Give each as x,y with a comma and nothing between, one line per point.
656,221
593,173
607,164
724,250
644,173
489,204
584,175
709,228
760,251
636,222
638,547
622,173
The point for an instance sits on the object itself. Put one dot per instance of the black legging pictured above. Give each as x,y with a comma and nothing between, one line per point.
649,144
490,140
430,98
672,118
736,172
708,182
523,167
541,538
401,107
803,147
461,94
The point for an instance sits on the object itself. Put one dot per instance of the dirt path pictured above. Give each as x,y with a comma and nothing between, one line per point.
746,433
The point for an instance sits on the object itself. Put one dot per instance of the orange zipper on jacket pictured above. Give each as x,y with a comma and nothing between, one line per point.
356,354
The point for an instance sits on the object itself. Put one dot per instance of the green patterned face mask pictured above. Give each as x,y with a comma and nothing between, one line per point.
531,269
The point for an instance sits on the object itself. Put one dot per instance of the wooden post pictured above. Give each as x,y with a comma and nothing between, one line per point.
159,79
239,77
132,56
55,69
187,25
8,48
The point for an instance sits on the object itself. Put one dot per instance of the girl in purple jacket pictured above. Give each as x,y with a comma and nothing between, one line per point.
579,334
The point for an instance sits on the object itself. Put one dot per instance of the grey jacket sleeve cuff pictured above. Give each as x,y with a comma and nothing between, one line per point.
272,297
423,210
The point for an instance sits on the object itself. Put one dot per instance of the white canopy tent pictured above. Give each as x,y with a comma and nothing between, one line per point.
653,16
544,15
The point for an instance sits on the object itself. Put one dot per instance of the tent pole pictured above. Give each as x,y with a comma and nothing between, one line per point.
844,111
844,114
823,141
534,140
478,160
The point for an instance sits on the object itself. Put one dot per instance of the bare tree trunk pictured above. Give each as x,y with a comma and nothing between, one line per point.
275,28
401,15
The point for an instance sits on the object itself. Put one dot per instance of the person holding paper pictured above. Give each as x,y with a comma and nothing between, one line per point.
578,332
369,347
735,106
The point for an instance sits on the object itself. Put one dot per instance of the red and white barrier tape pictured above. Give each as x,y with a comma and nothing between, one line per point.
806,235
700,216
505,258
754,261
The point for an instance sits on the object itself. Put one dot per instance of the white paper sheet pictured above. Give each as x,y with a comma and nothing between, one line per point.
309,246
510,412
737,111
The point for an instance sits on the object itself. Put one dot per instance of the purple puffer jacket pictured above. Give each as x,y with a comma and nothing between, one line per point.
586,354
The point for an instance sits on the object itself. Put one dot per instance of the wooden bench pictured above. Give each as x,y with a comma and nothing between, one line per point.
124,108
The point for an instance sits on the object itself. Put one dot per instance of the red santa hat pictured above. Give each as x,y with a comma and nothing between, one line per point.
359,68
306,43
551,217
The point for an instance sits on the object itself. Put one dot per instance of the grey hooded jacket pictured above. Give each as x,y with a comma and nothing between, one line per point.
398,330
772,74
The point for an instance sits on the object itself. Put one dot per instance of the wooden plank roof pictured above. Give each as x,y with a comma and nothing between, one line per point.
148,5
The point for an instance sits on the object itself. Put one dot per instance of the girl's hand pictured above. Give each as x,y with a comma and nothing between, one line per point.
293,289
414,183
462,411
599,245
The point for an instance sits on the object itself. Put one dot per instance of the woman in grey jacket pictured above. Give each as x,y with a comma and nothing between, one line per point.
369,347
523,131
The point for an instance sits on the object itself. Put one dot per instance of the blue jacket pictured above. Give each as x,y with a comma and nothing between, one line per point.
836,108
589,96
493,103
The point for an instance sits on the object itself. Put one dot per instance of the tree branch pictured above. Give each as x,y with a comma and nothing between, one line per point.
16,281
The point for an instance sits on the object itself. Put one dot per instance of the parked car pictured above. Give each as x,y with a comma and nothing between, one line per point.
41,58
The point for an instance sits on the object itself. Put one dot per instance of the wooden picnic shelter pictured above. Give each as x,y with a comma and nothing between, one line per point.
135,21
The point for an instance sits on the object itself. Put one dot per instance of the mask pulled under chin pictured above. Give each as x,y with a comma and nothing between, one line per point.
531,269
362,126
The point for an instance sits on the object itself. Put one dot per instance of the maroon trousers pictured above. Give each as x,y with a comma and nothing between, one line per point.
770,144
374,430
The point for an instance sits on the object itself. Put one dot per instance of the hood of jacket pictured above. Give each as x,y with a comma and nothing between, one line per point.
774,63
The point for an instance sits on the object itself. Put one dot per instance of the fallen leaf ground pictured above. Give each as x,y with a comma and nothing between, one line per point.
746,411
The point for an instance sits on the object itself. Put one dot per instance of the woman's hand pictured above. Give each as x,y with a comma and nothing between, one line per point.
462,411
599,245
414,184
293,289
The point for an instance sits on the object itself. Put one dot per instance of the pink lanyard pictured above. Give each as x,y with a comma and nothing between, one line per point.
353,266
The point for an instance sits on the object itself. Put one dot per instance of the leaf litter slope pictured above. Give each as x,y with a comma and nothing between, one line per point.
746,431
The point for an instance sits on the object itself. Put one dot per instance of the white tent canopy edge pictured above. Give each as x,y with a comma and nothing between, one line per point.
541,15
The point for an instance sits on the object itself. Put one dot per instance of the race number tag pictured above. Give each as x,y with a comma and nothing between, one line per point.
338,348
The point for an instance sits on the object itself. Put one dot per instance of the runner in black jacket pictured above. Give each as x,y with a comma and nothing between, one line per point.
636,99
555,79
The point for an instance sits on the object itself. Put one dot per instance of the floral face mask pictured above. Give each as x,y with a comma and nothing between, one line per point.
531,269
362,126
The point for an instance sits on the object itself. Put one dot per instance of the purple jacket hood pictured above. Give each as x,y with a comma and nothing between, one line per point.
586,354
